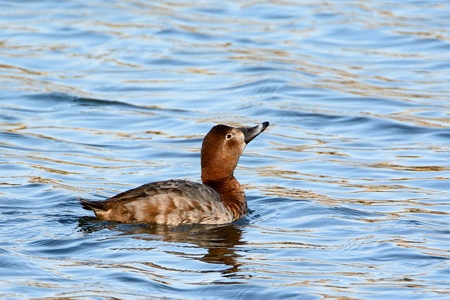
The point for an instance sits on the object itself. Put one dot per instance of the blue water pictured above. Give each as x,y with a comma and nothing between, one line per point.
348,189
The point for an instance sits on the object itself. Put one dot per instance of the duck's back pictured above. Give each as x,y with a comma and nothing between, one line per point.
170,202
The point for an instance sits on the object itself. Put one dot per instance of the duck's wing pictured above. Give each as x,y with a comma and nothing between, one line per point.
164,202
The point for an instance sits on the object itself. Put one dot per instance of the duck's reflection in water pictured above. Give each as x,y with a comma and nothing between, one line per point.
219,241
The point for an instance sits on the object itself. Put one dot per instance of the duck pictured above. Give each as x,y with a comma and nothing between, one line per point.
219,199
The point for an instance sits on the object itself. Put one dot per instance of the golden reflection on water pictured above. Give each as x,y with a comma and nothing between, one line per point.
391,166
292,193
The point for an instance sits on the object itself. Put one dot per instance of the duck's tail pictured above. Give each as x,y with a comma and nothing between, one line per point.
92,205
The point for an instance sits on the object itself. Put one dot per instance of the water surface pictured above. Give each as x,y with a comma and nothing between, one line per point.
348,188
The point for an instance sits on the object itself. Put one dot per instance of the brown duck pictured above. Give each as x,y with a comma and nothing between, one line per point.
220,199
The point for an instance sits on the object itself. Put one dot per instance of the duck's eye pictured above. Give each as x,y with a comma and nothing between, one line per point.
229,136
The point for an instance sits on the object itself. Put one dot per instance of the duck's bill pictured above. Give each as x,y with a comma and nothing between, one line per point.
251,132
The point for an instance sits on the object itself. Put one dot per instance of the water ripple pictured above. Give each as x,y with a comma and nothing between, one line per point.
347,189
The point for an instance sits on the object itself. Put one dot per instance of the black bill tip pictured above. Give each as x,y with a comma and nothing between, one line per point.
251,132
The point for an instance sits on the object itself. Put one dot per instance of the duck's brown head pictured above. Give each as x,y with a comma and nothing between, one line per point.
222,147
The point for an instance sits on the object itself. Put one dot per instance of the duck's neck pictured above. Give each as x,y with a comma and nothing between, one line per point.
231,193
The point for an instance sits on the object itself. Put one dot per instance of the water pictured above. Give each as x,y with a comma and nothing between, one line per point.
348,188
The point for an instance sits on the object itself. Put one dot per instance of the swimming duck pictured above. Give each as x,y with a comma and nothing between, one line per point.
219,200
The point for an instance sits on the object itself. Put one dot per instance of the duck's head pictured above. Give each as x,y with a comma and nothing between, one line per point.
222,147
